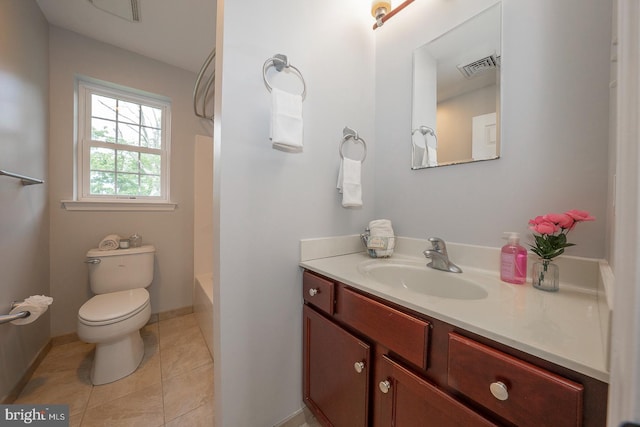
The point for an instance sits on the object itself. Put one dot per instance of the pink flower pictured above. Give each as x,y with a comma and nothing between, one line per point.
579,216
545,227
537,220
563,220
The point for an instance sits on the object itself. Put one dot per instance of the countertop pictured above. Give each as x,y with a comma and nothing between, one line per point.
562,327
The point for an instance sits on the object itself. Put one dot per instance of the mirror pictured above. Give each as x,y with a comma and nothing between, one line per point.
456,94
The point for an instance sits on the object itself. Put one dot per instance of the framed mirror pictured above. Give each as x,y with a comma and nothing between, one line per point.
456,94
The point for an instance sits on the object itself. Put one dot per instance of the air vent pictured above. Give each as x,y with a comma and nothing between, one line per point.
478,67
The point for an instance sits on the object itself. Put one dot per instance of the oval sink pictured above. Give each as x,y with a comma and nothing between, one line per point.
421,279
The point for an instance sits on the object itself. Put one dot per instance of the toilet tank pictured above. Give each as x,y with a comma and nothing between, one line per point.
120,269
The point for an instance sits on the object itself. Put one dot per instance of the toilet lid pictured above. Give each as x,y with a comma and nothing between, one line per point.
114,306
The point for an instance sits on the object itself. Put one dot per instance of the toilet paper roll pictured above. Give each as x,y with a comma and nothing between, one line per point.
35,310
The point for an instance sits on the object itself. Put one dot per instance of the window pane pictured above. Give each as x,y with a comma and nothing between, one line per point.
103,107
103,130
128,134
103,182
128,161
128,112
102,159
150,163
149,185
127,184
151,117
150,137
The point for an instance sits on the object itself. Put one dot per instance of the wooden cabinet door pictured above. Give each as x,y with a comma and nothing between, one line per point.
335,388
406,400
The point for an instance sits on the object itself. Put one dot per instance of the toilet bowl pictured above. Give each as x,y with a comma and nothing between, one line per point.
113,322
112,319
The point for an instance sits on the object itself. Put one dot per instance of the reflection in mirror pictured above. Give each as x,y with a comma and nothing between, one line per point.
456,94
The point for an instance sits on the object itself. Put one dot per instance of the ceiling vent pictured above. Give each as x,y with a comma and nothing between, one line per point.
125,9
479,66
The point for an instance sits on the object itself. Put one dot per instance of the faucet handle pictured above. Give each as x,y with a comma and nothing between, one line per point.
438,244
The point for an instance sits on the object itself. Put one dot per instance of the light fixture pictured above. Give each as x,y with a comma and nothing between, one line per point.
382,11
125,9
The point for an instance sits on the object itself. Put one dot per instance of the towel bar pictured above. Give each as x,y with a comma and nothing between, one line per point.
347,134
6,318
26,180
279,62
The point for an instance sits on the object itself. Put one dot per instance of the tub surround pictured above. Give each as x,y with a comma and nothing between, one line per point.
569,328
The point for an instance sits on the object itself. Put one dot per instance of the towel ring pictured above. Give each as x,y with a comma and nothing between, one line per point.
280,62
347,134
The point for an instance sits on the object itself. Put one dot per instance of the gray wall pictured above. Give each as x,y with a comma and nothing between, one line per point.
555,121
267,200
72,232
555,91
24,222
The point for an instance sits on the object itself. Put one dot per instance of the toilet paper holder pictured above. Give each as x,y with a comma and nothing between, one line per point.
6,318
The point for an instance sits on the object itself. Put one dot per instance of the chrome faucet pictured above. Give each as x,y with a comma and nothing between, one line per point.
439,257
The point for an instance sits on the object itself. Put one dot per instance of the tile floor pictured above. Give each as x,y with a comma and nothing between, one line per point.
173,386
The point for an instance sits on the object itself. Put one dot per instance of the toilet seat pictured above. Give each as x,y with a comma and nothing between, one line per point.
105,309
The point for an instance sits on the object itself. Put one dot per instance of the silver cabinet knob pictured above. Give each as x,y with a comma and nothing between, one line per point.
93,261
499,390
313,292
359,367
384,386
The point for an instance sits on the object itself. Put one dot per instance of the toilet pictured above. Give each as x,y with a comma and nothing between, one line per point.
112,319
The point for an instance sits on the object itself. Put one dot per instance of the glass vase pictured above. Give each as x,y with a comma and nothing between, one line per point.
545,276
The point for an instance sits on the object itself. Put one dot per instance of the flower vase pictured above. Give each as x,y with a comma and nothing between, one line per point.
545,275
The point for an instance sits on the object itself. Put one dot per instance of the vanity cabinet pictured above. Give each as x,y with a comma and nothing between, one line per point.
369,362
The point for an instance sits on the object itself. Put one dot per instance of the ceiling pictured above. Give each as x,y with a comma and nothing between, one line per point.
177,32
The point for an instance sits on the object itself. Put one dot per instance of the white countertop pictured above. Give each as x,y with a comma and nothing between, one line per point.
568,327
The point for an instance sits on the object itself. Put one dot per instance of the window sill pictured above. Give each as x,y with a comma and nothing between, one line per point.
124,205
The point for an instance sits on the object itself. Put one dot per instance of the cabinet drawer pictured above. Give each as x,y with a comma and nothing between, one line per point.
532,396
402,334
318,292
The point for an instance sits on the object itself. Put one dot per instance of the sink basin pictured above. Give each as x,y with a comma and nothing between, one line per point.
421,279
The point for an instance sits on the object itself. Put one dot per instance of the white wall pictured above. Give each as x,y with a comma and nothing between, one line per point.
73,232
555,76
24,222
267,200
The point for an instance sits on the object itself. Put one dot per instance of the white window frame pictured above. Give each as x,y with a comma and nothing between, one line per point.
83,199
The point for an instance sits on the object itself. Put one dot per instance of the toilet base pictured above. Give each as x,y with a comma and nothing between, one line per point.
117,359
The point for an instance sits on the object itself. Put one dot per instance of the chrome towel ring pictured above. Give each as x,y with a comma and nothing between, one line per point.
347,134
280,62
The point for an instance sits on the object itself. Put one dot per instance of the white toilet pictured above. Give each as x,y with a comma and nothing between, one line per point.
113,318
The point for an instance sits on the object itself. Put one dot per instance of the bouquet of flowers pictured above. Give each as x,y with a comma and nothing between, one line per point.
552,230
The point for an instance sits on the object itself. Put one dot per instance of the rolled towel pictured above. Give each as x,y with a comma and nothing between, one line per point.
109,243
382,238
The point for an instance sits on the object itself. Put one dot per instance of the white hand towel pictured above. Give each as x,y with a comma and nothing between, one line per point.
349,183
431,155
109,243
286,121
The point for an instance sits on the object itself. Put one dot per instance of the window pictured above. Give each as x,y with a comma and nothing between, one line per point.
123,145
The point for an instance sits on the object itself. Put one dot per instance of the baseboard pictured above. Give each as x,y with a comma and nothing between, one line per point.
300,417
17,389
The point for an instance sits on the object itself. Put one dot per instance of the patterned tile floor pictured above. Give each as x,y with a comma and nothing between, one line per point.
172,387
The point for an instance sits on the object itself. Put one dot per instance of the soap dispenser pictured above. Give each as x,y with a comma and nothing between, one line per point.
513,260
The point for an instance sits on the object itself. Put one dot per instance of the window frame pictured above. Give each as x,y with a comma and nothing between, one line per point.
85,89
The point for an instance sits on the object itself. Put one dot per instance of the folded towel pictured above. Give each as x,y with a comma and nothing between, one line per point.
382,238
431,155
349,183
286,121
109,243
